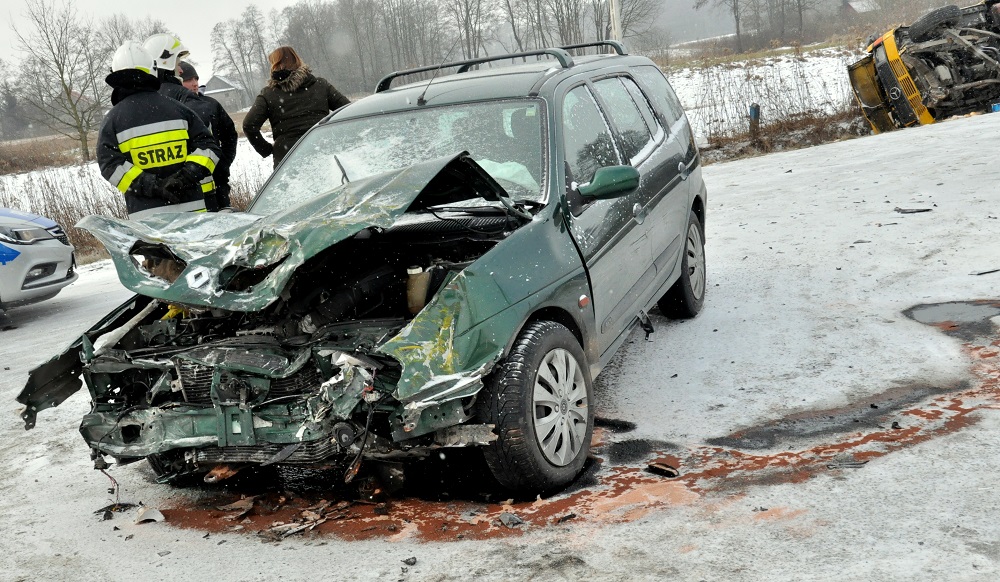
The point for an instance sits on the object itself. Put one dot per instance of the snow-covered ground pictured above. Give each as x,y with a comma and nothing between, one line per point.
810,269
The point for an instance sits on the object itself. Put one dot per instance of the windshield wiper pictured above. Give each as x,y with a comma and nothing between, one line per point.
468,209
343,173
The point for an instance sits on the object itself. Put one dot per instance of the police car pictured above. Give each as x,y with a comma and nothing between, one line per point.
36,259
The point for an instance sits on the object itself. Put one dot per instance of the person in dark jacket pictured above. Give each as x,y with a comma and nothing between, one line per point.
293,100
220,125
154,150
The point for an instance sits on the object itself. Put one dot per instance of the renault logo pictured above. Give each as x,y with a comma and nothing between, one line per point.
894,93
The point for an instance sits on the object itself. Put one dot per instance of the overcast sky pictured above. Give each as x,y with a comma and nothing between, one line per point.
192,20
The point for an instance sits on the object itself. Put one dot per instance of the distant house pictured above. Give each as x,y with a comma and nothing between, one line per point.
227,92
856,7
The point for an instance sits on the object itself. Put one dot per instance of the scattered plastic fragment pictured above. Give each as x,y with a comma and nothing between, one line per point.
163,553
847,465
565,518
912,210
411,561
977,273
510,520
149,514
116,508
663,469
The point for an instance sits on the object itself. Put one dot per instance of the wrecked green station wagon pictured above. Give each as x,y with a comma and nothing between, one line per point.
447,263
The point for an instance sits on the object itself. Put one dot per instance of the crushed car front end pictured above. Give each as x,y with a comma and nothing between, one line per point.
353,324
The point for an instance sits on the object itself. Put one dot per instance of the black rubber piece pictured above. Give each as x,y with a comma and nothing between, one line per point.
926,27
515,458
680,302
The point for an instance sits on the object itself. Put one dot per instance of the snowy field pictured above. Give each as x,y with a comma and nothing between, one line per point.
775,404
718,98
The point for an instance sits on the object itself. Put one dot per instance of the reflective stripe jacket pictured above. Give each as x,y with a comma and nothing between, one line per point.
147,137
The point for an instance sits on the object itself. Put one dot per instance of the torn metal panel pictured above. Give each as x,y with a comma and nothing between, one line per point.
212,244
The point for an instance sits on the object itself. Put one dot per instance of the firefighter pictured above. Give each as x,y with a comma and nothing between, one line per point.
168,51
151,148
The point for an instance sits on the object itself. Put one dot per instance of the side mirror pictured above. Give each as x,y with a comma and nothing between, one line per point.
611,182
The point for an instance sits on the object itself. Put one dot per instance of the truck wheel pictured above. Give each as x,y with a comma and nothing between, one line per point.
685,299
926,27
539,401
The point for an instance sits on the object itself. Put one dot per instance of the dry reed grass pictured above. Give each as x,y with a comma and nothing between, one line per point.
32,154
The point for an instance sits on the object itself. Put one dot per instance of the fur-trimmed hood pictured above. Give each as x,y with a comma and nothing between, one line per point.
295,80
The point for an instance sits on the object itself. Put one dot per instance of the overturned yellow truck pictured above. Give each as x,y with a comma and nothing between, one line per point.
946,63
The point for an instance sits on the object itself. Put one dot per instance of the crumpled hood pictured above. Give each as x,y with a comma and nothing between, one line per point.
211,243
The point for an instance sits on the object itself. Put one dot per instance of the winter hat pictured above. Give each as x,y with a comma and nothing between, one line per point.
187,71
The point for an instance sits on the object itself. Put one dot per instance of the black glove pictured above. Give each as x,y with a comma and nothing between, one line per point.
180,186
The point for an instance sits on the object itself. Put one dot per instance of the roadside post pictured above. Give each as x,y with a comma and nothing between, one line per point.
755,125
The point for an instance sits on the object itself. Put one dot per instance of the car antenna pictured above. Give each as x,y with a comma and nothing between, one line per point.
420,100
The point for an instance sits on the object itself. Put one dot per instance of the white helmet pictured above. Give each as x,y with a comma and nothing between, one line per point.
131,66
132,55
166,49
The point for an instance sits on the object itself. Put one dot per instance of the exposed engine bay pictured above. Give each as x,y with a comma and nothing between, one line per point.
956,65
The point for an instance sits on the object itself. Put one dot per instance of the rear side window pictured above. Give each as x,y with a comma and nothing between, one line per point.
625,116
660,92
586,136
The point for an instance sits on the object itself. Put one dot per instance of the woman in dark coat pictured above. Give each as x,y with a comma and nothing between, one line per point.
293,100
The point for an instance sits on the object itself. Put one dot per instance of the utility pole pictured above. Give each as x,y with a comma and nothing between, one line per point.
616,20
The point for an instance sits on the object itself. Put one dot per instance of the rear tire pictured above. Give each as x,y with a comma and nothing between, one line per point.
687,296
539,400
926,27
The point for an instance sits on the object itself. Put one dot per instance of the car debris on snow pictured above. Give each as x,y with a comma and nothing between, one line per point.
847,465
663,469
912,210
411,561
115,508
243,507
510,520
149,514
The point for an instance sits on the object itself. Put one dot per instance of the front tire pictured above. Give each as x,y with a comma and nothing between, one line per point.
539,400
926,27
687,296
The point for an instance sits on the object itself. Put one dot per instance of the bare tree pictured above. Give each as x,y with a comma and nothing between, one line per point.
470,18
12,116
240,48
734,7
62,73
114,30
567,20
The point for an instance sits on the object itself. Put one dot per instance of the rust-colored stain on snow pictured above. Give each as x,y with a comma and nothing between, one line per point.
625,492
778,514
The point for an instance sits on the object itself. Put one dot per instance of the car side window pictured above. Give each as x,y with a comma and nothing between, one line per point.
626,117
660,91
586,136
644,109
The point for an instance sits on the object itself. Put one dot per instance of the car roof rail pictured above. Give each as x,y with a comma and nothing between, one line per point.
619,47
564,58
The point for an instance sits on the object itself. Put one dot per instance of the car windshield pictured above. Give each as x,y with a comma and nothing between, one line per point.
504,137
